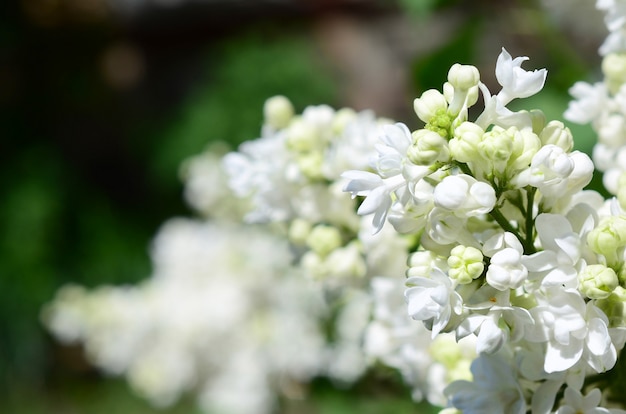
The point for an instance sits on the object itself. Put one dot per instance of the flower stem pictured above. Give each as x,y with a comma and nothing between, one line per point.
530,221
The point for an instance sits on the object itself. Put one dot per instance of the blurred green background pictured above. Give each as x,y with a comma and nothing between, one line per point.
101,101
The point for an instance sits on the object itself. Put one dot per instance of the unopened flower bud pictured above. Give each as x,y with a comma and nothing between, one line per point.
608,236
525,145
427,105
496,145
463,77
278,111
428,147
464,195
556,133
613,307
324,239
420,263
466,264
464,146
597,281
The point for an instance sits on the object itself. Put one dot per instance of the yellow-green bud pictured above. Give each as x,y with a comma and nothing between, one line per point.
464,146
324,239
278,111
466,264
427,105
608,236
427,148
597,281
613,307
496,145
420,263
525,145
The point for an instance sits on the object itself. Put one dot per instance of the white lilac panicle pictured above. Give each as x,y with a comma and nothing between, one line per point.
513,252
223,315
291,176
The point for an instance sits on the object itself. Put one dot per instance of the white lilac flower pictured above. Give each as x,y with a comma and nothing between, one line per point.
493,320
571,330
464,196
515,81
395,175
558,263
494,388
433,300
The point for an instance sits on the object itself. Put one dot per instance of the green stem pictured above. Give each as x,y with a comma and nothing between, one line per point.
530,221
504,223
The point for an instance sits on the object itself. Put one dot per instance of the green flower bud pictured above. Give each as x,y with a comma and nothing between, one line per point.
597,281
324,239
278,112
613,307
608,236
427,148
431,102
497,145
464,146
466,264
525,145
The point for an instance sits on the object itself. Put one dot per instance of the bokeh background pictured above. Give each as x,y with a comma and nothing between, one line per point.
102,100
